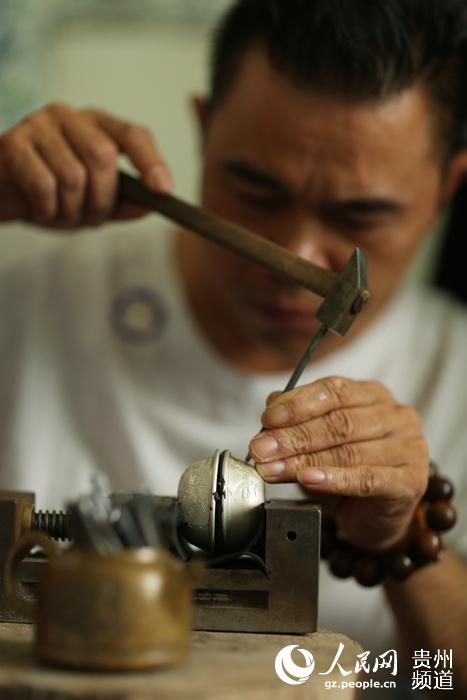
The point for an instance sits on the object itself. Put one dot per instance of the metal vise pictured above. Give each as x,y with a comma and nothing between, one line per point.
235,598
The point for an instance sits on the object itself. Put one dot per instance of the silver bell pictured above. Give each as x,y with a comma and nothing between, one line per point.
221,499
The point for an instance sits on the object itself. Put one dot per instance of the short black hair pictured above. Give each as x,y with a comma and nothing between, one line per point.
360,50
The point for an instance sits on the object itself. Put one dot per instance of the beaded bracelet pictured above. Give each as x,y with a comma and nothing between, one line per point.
434,514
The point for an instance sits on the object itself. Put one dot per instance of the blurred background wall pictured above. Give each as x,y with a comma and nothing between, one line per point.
140,59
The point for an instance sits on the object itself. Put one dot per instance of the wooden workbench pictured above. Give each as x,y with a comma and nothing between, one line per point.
221,666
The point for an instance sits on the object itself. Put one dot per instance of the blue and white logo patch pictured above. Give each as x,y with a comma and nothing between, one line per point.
139,315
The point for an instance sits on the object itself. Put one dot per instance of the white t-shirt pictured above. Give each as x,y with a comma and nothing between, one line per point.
103,366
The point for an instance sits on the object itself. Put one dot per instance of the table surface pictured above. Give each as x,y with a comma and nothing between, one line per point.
221,666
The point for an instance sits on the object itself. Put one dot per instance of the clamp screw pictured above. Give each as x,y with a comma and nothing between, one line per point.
53,523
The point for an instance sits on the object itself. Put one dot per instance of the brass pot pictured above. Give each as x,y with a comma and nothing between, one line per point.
127,610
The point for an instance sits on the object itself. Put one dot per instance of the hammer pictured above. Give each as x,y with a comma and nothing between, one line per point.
345,294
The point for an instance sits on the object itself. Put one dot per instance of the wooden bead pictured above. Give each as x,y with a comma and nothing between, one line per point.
439,488
329,542
368,571
399,566
341,563
427,546
441,516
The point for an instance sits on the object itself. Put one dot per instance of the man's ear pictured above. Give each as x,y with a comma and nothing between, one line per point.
200,108
456,175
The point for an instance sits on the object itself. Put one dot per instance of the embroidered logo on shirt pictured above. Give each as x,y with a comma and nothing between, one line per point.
138,315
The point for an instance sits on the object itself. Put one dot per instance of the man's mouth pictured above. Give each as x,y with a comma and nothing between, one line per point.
286,316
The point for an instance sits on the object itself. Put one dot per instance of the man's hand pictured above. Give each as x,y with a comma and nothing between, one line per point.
349,440
58,167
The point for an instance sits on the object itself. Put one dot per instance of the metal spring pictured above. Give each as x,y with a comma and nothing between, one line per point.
54,523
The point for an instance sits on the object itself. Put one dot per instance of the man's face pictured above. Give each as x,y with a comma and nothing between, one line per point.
318,176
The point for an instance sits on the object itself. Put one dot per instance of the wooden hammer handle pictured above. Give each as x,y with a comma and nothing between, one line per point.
232,236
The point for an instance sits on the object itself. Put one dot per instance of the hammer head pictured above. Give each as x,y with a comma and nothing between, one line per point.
347,296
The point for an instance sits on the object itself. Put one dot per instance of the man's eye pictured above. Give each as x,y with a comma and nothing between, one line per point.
259,200
353,224
359,224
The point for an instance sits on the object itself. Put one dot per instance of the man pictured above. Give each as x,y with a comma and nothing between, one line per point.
329,125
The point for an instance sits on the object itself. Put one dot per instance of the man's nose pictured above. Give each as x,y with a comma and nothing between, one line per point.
307,240
311,249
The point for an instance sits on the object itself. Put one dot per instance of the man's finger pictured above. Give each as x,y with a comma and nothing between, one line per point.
321,397
70,174
392,452
362,481
34,179
273,396
99,155
342,427
14,204
140,147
